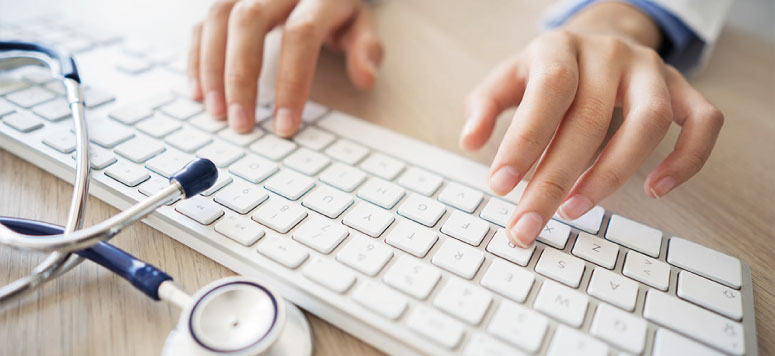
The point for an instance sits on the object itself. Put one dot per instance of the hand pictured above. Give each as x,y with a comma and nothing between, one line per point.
567,83
227,50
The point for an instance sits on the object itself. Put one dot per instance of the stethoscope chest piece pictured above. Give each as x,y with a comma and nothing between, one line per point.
238,316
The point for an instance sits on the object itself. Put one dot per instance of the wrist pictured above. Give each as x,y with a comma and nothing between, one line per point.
616,19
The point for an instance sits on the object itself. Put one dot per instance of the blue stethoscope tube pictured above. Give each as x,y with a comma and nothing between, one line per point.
143,276
67,67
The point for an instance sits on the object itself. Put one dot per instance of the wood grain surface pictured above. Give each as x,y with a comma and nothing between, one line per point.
436,51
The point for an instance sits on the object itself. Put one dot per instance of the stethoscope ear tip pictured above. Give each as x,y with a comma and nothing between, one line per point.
197,176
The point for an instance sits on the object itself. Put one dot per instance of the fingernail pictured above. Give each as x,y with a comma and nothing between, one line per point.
284,122
215,104
663,186
575,207
469,126
238,118
526,229
193,86
504,180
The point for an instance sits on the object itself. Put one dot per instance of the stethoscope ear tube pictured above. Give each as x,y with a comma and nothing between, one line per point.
144,276
67,67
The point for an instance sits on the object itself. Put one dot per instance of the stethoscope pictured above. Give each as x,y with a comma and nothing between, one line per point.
231,316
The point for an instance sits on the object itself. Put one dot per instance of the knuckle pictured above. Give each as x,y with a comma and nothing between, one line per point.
613,47
660,112
302,30
552,188
247,11
238,78
591,116
612,177
711,116
694,160
530,140
558,76
561,36
220,8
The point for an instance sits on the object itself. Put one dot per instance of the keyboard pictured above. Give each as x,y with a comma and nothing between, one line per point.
393,240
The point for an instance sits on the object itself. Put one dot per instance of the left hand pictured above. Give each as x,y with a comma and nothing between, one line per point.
567,83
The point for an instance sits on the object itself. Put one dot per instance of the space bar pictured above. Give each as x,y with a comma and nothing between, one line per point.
694,321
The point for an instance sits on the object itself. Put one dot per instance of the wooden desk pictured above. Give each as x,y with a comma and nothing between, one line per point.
436,52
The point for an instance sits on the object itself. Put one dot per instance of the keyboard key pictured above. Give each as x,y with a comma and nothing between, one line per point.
158,125
329,274
108,133
328,201
364,254
421,209
312,112
320,233
589,222
284,251
497,211
567,341
646,270
5,107
613,288
501,246
207,123
711,295
420,181
22,122
224,178
342,177
368,219
382,166
38,77
220,153
53,110
139,149
508,280
240,229
435,326
596,250
562,303
619,328
279,215
466,228
241,139
380,192
55,86
182,109
412,237
132,65
188,140
127,173
273,147
10,85
306,161
99,157
458,258
380,299
668,343
30,97
290,184
694,321
555,234
347,151
168,162
201,209
253,168
463,300
412,276
481,344
95,97
241,197
634,235
519,326
153,186
312,138
61,140
704,261
131,114
561,267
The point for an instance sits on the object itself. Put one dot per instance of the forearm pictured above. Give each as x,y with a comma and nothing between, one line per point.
617,19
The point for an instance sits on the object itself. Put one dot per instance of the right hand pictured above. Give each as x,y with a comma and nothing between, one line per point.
226,51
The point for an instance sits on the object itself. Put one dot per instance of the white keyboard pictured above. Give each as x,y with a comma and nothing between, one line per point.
395,241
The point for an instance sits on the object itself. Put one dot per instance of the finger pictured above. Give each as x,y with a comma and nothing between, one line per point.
502,88
574,144
647,117
193,62
212,56
551,87
305,30
249,22
363,49
701,123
